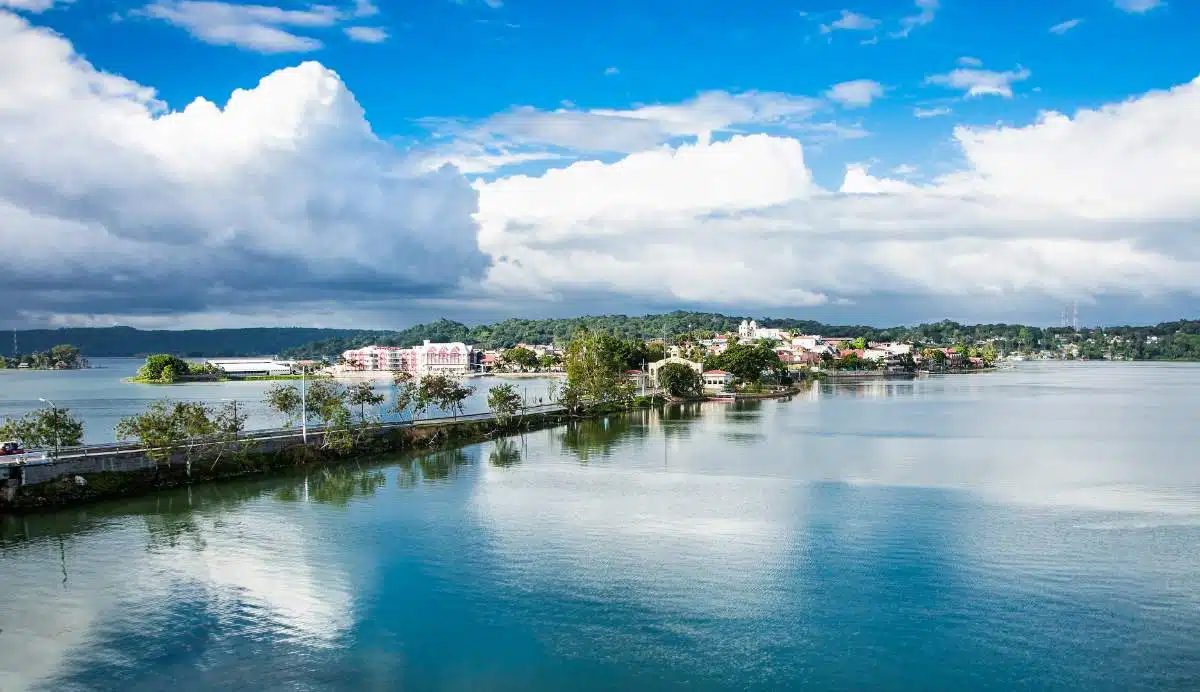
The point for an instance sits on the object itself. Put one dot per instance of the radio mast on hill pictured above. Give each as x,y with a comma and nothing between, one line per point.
1075,316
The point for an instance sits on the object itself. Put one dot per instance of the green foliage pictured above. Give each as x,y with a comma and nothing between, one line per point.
363,395
164,368
851,361
325,399
520,357
167,428
284,399
858,343
405,395
444,392
747,362
504,401
934,358
595,364
60,356
44,428
680,381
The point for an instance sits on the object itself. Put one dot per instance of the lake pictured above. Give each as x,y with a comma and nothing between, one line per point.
98,397
1031,529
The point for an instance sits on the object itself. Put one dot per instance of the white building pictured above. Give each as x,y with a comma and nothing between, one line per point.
894,348
874,354
429,357
251,367
717,380
751,330
658,364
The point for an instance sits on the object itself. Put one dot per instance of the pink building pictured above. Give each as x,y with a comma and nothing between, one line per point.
426,358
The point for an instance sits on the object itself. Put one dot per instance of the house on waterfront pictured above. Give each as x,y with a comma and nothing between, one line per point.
717,380
455,358
252,367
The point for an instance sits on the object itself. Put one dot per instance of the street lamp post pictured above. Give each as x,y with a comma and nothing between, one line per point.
57,434
303,404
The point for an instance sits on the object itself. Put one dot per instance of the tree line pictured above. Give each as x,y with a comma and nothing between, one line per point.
1172,340
57,357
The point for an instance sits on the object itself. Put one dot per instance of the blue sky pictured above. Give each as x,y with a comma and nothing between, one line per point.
513,93
469,59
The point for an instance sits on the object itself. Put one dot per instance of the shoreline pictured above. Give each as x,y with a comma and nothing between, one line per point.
123,473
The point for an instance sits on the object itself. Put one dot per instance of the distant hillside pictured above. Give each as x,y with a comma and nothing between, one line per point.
99,342
1167,341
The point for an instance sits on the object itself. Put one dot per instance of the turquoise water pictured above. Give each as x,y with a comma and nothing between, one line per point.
98,397
1037,529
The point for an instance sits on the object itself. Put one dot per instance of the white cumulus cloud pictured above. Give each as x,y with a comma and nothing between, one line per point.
1103,202
110,201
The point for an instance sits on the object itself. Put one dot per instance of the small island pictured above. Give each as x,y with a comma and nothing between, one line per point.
164,368
61,357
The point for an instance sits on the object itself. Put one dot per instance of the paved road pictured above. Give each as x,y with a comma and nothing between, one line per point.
42,456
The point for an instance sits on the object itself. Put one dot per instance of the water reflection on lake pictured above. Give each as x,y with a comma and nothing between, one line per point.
1037,529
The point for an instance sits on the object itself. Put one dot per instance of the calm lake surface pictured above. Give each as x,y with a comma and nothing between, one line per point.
98,397
1034,529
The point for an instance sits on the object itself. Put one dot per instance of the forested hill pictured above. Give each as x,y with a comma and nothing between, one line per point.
99,342
1167,341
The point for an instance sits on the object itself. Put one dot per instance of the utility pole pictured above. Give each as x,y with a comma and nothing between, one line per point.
16,351
303,404
57,432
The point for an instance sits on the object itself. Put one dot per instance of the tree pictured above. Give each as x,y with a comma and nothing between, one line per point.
64,355
443,391
152,369
504,401
169,428
229,422
747,362
520,357
680,381
859,343
45,427
405,391
988,353
285,399
547,362
594,370
325,398
362,395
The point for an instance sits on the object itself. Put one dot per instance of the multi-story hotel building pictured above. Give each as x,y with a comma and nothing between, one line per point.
426,358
